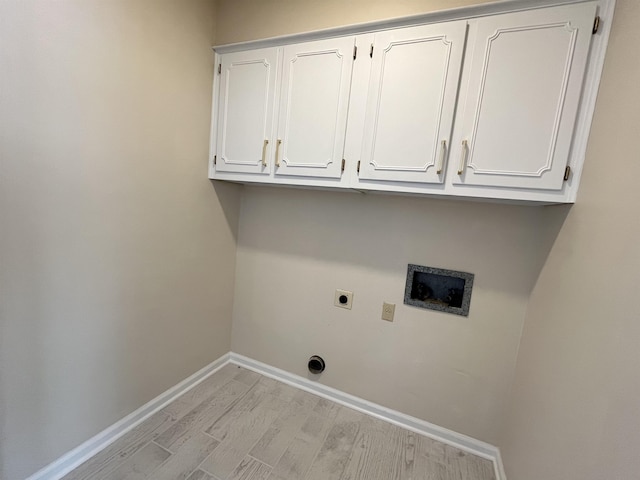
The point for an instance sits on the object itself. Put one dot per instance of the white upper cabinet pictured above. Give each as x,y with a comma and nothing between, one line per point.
245,111
410,103
520,97
488,101
282,113
313,107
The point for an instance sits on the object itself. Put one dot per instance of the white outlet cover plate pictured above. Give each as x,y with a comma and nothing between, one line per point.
388,311
346,293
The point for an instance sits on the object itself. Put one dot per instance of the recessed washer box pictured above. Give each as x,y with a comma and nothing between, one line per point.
438,289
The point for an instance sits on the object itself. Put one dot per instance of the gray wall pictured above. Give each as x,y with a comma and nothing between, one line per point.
117,254
295,247
575,411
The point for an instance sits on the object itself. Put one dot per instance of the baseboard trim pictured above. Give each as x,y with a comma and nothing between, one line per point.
80,454
499,466
458,440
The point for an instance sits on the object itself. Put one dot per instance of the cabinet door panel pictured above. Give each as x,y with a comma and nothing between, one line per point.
524,85
314,102
245,121
412,93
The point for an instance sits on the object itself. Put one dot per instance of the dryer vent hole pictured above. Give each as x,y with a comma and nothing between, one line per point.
316,364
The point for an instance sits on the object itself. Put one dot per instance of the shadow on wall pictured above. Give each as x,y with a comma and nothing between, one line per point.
506,245
227,194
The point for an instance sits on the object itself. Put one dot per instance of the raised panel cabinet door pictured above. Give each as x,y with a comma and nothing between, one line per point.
414,80
314,100
524,80
245,111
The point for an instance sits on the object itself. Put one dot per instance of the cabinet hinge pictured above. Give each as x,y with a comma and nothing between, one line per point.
215,159
358,166
355,51
371,51
596,25
343,162
219,68
567,172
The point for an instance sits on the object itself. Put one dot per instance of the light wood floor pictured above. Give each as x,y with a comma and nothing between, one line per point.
239,425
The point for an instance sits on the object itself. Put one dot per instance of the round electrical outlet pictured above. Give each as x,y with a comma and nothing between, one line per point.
343,299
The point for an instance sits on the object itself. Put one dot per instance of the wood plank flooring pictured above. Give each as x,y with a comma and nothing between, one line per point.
239,425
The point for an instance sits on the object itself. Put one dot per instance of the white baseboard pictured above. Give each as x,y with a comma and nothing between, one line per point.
458,440
80,454
83,452
500,473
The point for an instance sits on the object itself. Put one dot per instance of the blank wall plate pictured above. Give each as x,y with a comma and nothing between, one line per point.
388,311
343,299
